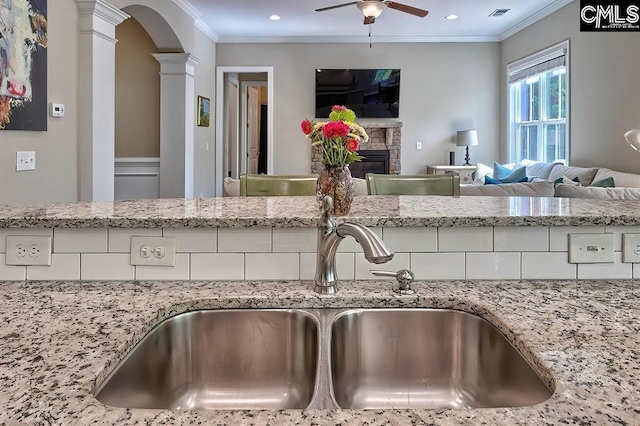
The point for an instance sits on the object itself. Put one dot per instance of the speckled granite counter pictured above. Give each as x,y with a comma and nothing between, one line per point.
57,338
302,212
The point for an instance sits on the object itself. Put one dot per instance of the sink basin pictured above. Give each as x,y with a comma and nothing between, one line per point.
225,359
427,358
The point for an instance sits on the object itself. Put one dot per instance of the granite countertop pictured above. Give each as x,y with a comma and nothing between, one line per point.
302,212
58,338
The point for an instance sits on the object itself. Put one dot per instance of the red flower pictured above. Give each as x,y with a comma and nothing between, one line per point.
335,129
338,108
352,145
306,127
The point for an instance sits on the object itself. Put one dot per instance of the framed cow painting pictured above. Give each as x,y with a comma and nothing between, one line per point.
23,64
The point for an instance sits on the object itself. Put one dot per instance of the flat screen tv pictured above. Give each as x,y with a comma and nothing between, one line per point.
371,93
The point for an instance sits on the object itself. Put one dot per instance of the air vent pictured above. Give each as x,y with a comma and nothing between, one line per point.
499,12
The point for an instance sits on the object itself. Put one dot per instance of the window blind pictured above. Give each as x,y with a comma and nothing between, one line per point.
539,68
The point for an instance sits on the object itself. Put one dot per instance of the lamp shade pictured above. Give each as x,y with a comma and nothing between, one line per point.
467,138
633,137
371,9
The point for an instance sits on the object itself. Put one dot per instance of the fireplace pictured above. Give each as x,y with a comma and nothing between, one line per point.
373,162
382,150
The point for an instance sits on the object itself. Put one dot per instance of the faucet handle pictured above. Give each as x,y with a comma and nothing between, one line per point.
405,280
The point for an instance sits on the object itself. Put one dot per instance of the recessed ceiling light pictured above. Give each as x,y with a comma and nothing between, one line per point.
451,17
274,17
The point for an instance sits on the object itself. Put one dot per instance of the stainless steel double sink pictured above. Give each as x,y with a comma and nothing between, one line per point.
323,358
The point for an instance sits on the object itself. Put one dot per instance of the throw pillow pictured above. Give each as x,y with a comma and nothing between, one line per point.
481,172
605,183
509,175
488,180
585,174
564,179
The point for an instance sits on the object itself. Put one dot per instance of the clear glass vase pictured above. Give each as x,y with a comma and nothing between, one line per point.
337,183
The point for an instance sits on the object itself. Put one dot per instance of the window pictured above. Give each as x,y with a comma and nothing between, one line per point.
538,106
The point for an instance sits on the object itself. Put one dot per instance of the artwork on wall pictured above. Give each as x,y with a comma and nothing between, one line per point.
204,111
23,64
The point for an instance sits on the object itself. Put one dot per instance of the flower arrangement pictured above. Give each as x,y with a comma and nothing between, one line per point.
339,138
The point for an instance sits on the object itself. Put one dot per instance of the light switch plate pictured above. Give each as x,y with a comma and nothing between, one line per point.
28,250
25,160
153,251
631,248
591,248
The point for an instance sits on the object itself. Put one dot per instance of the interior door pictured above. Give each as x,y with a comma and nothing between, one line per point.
231,130
253,129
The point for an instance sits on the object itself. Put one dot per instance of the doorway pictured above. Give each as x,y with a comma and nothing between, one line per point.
251,148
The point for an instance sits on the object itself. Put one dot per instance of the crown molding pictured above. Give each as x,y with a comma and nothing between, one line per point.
206,29
360,39
188,8
543,13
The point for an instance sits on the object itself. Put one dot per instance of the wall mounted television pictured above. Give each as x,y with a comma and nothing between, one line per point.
370,93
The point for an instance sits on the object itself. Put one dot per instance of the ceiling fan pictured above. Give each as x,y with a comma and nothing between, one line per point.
371,9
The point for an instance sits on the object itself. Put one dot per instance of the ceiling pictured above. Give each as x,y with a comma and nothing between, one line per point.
246,21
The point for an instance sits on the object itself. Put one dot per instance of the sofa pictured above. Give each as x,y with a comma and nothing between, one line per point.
557,180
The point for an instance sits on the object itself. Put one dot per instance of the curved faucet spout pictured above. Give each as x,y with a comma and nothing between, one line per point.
329,238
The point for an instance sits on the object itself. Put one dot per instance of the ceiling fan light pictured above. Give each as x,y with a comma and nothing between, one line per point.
371,8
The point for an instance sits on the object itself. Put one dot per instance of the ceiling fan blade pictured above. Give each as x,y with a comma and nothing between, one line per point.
368,20
322,9
407,9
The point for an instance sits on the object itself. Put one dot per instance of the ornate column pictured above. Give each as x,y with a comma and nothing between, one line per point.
98,21
177,122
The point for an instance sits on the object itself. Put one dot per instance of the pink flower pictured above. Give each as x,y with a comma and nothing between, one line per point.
352,145
306,127
338,108
335,129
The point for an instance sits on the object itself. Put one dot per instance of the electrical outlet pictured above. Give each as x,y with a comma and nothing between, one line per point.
153,251
631,248
591,248
418,145
28,250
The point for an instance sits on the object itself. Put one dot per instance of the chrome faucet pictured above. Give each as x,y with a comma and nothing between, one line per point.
330,236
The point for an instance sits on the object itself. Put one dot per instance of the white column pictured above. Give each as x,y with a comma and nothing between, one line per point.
98,20
177,122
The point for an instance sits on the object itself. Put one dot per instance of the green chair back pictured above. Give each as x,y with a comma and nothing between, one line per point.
380,184
274,185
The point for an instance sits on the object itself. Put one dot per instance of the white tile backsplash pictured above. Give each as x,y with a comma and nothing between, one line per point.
63,267
363,266
550,265
217,266
617,232
493,266
465,239
272,266
559,235
636,270
251,240
120,238
616,270
178,272
532,238
80,240
11,273
295,240
21,231
193,240
438,266
108,266
345,266
418,240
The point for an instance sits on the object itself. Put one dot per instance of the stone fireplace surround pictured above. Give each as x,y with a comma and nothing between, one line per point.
383,135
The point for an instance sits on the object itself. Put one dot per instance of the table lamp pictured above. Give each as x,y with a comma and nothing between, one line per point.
633,137
467,138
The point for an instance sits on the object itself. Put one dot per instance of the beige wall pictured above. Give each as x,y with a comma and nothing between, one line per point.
137,92
445,87
605,69
55,177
